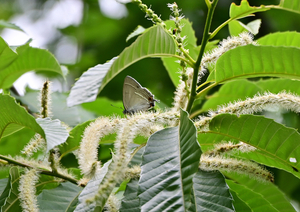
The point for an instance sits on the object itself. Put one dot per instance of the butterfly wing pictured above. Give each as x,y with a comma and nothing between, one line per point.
135,97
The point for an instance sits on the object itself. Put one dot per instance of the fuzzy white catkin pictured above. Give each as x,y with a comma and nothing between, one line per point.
27,191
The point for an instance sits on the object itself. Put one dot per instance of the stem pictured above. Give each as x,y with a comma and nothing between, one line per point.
42,171
205,38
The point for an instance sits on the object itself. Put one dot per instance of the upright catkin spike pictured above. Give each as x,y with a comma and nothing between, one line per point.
45,100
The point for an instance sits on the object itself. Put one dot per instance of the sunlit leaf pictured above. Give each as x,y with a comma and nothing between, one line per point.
253,61
292,6
291,39
155,42
244,10
137,31
28,59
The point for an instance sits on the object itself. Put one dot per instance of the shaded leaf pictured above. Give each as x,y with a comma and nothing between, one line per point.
56,133
9,199
12,122
155,42
130,201
86,88
60,199
211,192
170,160
7,55
91,190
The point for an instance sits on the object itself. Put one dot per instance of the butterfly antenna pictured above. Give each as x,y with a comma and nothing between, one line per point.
116,107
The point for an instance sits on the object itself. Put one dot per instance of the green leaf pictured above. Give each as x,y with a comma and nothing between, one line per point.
5,24
86,88
292,6
211,192
7,56
28,59
244,10
91,190
279,85
171,64
238,204
237,27
291,39
130,201
9,120
275,143
62,198
74,139
230,92
170,161
253,61
137,31
155,42
9,199
56,133
259,196
3,183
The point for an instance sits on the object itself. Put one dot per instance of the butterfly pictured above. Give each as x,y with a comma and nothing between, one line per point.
135,97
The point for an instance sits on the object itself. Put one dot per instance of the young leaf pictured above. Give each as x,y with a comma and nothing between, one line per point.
13,121
259,196
155,42
170,160
9,200
211,192
56,133
62,198
86,88
244,10
253,61
131,202
28,59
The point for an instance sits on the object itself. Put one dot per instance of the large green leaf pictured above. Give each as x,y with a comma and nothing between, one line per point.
253,61
230,92
292,6
9,200
61,199
155,42
279,85
28,59
86,88
16,120
259,196
211,192
276,143
170,160
131,202
56,133
281,39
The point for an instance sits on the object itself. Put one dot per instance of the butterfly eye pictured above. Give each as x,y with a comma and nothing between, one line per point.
150,98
